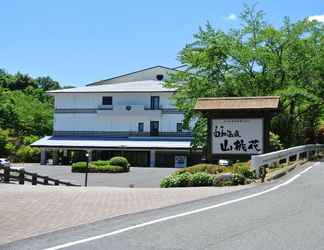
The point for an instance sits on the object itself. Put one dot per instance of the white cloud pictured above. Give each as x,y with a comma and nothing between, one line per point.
319,18
231,17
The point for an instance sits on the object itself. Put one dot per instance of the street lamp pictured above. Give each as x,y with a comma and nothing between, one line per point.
87,169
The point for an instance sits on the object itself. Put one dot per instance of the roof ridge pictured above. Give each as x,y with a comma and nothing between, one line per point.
238,97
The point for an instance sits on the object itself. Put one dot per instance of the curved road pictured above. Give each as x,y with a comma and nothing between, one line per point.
285,214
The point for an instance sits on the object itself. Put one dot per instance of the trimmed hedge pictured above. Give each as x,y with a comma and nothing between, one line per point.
115,165
120,161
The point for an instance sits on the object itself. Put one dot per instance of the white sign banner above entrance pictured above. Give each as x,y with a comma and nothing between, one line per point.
237,136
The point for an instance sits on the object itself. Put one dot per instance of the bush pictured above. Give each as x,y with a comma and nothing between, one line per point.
120,161
28,154
100,163
229,179
79,166
243,169
180,180
98,167
238,179
202,179
203,167
168,181
275,143
109,169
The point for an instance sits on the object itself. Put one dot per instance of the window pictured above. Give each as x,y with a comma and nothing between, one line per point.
179,127
155,102
154,128
141,127
107,100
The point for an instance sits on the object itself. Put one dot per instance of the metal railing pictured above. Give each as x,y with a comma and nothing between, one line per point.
287,155
23,176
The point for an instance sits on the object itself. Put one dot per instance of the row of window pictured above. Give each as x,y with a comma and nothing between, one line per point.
155,101
154,126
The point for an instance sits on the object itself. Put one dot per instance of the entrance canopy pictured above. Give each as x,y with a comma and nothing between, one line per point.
84,142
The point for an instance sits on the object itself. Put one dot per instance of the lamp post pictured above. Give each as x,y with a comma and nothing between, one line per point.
87,169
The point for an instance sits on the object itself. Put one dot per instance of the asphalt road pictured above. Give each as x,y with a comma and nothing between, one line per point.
289,216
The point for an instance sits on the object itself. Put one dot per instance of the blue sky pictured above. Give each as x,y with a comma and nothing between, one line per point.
77,42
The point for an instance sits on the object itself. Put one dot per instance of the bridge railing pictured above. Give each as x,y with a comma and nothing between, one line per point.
287,155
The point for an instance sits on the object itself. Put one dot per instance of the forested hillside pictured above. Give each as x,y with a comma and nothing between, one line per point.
26,113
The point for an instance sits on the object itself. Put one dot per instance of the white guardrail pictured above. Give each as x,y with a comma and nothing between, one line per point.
264,160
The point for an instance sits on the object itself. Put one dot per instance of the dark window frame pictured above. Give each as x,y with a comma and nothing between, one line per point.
153,103
179,126
107,100
154,131
140,127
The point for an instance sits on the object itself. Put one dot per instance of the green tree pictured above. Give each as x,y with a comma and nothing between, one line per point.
256,59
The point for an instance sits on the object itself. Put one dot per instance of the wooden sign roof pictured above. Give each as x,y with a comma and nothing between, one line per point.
237,103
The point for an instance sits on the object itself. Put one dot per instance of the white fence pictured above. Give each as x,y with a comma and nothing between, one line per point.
259,161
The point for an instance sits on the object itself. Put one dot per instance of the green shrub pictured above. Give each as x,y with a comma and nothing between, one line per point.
203,167
28,154
79,166
100,163
243,169
238,179
109,169
120,161
169,181
202,179
97,167
275,143
180,180
183,180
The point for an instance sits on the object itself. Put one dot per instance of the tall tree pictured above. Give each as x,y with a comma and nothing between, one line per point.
257,59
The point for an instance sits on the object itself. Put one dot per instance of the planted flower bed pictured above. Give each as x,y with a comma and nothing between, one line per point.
114,165
210,175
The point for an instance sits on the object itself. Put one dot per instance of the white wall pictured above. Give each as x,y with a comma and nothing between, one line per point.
95,122
93,100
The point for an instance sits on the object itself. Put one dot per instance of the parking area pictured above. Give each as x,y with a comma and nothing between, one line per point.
137,177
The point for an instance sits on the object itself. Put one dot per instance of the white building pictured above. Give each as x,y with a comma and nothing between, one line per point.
133,115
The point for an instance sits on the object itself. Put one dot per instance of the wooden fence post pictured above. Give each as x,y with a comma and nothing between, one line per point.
6,173
34,179
21,177
56,183
46,180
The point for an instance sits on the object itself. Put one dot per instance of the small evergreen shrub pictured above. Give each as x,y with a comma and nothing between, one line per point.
202,179
203,167
120,161
243,169
79,166
238,179
109,169
100,163
98,167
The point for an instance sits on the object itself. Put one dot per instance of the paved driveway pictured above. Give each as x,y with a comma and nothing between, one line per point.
138,177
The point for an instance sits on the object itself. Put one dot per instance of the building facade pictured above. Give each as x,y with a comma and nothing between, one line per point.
131,115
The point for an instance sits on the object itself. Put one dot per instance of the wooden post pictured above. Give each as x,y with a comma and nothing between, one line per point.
56,183
6,174
46,180
21,177
34,179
